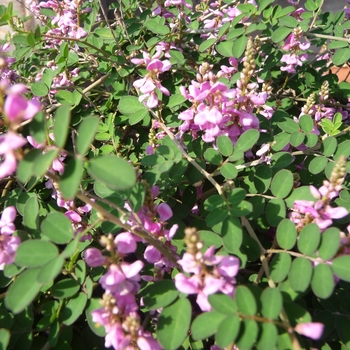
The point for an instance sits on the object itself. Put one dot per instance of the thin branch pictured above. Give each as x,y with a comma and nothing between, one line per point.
299,255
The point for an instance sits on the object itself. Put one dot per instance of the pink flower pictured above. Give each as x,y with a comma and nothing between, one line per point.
125,242
312,330
6,223
17,108
164,211
8,143
8,247
94,258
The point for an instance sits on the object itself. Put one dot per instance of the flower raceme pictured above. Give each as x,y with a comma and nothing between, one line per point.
149,85
8,243
16,110
209,273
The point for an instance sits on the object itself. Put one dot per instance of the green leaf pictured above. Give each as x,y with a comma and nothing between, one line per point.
39,89
61,125
232,234
47,76
341,56
50,270
330,243
280,34
4,338
286,234
234,33
296,313
216,216
225,48
309,239
300,274
70,180
244,208
280,266
262,178
297,138
137,116
222,303
340,267
116,173
288,125
206,44
343,149
159,294
229,171
35,252
31,215
225,145
130,105
86,134
272,303
37,127
210,238
212,156
275,211
57,228
43,163
223,29
329,146
245,301
268,336
206,324
22,291
306,123
65,97
311,140
247,140
228,331
282,183
280,141
65,288
213,202
173,324
247,335
239,46
236,196
322,282
156,28
318,164
74,308
288,21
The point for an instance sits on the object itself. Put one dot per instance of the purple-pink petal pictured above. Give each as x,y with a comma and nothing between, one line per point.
94,258
312,330
164,211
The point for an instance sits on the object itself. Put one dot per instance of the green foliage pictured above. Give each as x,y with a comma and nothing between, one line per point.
109,132
172,334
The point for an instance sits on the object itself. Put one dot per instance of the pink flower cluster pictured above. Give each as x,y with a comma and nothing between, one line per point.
64,79
153,218
210,273
150,84
16,109
118,313
8,243
6,73
294,58
319,212
216,15
66,20
218,110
